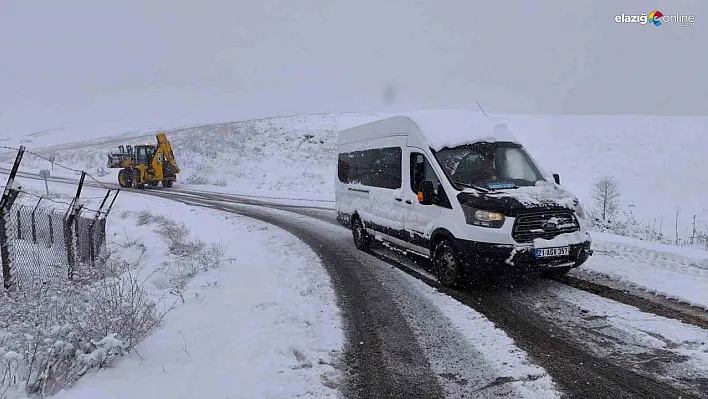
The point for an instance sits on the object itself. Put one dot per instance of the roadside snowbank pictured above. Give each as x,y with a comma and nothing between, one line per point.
259,317
676,272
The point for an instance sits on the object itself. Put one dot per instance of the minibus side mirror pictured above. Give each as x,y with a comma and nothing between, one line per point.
426,194
557,178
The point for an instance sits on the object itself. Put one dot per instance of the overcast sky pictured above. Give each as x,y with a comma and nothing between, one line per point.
142,63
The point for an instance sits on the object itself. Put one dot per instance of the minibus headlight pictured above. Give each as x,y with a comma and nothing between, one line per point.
479,217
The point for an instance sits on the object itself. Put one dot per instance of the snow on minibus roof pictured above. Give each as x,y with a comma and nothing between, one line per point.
452,127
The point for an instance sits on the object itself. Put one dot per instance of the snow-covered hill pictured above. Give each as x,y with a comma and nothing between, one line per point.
658,161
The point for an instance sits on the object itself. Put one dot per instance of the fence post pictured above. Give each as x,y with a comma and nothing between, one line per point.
19,223
92,240
51,230
4,250
34,222
112,202
71,216
8,198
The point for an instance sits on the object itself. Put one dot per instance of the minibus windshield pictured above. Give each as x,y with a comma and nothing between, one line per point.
489,166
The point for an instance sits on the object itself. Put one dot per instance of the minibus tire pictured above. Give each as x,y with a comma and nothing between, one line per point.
446,264
362,239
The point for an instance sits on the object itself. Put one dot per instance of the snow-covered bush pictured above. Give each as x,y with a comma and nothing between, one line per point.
196,178
101,172
189,255
185,268
175,234
53,333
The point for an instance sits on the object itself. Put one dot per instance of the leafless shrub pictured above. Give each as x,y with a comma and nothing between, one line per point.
702,237
101,172
176,234
186,268
606,197
59,331
119,306
196,178
677,213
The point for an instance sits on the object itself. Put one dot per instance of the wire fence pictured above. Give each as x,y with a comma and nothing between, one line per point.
40,244
43,244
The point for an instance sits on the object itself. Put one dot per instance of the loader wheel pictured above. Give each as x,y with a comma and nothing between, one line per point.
126,178
167,183
123,178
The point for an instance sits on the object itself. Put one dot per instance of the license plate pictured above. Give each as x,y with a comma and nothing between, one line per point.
551,252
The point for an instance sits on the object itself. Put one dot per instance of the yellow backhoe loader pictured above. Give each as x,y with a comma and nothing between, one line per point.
145,164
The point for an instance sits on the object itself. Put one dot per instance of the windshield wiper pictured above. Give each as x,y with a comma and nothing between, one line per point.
482,189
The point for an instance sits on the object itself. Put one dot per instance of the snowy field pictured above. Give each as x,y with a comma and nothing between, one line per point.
292,160
254,314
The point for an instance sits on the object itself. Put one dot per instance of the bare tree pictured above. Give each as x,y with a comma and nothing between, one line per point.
678,213
606,194
693,230
390,93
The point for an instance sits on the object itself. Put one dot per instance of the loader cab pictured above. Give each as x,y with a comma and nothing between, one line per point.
144,154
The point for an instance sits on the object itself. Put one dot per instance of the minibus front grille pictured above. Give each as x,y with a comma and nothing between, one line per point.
530,226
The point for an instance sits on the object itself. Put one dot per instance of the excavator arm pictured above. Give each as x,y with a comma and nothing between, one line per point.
163,162
164,147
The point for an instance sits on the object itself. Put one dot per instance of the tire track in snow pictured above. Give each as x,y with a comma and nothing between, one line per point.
382,355
580,373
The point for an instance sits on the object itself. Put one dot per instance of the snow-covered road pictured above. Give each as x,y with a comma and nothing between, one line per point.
561,348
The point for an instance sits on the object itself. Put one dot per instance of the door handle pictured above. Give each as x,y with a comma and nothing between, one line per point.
398,199
409,202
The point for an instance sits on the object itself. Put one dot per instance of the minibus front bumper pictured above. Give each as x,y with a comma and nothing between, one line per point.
478,256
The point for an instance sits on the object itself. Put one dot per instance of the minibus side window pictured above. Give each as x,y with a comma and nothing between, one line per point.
361,168
386,167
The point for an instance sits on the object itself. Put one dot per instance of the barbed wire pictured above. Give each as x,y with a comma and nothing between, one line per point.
90,176
111,188
68,204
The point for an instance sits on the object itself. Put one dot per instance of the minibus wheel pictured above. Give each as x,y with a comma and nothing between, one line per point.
362,240
446,264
